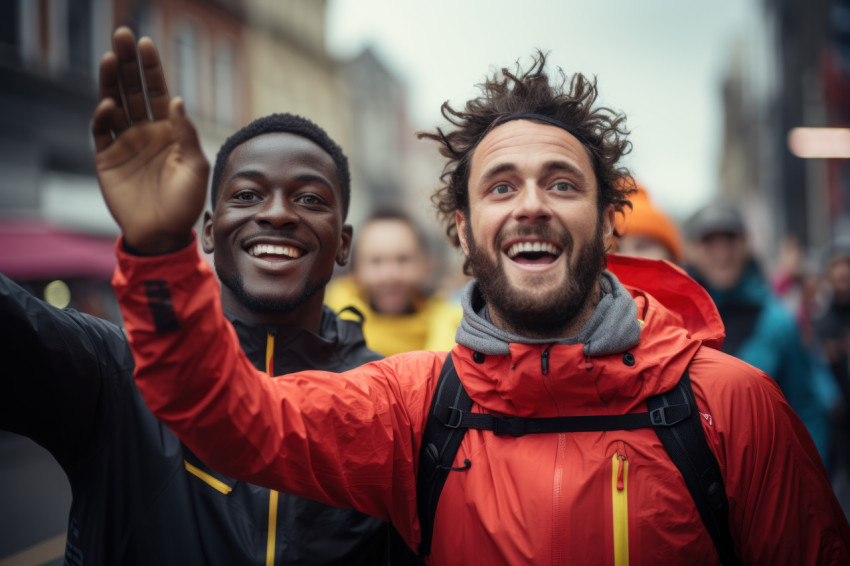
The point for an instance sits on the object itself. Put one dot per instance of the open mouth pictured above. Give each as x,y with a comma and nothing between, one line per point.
535,252
275,252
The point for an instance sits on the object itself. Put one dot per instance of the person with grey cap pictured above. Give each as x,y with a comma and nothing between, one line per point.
759,328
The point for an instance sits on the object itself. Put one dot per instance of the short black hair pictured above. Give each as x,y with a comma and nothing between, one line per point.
285,123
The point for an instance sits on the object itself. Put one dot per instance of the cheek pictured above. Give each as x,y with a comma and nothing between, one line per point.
484,228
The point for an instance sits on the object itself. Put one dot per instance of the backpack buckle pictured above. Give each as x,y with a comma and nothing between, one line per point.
513,426
670,415
454,417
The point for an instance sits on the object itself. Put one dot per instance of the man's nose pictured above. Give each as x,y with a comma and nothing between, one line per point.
277,210
532,204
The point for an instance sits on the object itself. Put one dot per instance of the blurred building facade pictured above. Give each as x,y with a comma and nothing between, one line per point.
791,70
231,61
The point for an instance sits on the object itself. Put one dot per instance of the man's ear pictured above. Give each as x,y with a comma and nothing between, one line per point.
609,217
460,222
207,235
344,244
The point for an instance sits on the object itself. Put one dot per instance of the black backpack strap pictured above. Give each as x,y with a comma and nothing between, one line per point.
437,451
457,418
687,446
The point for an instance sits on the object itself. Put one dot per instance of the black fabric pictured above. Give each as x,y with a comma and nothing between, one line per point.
134,502
454,417
673,415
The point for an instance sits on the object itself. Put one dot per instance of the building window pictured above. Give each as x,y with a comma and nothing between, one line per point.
10,31
186,57
224,79
80,35
29,18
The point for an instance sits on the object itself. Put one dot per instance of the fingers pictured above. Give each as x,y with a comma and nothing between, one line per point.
157,90
109,89
101,124
187,137
130,81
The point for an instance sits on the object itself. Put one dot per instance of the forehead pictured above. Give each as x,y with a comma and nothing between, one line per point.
529,143
387,236
281,154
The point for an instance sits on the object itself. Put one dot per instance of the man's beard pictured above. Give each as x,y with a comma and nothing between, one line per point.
272,306
539,316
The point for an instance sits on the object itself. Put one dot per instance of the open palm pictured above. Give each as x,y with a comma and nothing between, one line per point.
151,170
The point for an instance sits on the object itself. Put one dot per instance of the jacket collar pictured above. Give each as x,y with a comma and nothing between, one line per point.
299,349
613,327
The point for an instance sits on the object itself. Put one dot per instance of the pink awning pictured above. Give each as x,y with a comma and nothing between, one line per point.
35,249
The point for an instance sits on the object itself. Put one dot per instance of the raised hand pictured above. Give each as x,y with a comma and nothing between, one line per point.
152,172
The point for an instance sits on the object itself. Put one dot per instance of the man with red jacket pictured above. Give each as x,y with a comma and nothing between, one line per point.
531,193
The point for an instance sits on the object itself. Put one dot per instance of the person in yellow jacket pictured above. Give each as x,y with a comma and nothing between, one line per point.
390,272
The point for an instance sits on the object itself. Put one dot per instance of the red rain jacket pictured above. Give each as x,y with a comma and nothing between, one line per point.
598,498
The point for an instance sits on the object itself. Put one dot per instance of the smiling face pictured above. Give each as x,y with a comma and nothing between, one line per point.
534,233
277,230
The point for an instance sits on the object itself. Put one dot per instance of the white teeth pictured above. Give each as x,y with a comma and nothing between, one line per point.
268,249
521,247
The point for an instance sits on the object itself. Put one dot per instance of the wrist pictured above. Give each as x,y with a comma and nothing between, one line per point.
160,245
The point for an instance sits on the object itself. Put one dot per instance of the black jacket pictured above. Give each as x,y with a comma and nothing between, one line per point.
139,496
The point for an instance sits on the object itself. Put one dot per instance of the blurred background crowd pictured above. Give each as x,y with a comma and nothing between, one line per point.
739,112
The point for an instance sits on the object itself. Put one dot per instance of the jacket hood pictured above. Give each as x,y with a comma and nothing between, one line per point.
338,346
688,302
613,326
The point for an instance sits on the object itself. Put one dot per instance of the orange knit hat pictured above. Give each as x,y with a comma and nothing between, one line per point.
645,219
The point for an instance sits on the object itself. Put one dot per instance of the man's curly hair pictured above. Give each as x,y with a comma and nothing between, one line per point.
508,93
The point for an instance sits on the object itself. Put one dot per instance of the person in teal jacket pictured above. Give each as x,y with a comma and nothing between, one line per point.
759,328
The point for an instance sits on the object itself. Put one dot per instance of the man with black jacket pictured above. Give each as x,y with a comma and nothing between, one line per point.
281,188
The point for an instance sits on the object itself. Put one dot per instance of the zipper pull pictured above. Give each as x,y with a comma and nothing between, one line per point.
544,360
621,485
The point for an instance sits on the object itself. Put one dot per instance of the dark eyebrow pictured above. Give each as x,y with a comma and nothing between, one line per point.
549,167
304,178
496,171
245,173
557,166
308,177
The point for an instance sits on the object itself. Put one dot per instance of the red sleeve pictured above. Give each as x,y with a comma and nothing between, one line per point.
348,439
782,507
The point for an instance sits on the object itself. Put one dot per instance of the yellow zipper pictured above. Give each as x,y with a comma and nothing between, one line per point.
273,495
215,483
272,527
620,507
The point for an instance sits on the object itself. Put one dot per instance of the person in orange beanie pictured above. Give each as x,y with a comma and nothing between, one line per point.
646,231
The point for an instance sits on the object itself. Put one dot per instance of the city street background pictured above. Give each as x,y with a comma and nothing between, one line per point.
711,91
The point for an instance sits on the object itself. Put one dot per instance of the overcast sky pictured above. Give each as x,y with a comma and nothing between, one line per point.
659,61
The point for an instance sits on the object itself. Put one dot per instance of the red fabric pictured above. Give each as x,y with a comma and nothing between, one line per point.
33,249
352,439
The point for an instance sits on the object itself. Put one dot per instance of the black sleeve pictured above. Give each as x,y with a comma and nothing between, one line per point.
57,364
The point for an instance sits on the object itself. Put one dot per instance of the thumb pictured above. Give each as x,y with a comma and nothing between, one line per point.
187,137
